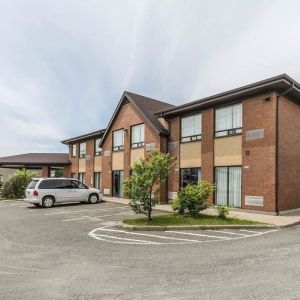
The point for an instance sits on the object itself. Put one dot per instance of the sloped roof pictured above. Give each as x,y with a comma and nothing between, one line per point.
40,159
281,83
97,133
147,107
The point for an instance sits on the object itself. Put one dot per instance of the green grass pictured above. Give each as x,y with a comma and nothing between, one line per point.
175,219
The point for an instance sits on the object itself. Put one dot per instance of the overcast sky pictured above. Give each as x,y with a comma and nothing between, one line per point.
65,64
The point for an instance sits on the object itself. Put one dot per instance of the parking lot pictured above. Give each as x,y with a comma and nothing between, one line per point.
77,251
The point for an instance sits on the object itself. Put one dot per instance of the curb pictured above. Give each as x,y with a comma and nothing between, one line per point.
195,227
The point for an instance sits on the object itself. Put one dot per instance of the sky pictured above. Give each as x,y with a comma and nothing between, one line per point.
64,64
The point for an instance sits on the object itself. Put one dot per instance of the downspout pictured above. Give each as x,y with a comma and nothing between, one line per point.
277,147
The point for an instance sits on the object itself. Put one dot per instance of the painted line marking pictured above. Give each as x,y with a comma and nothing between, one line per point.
91,217
126,239
149,235
250,231
198,234
84,210
228,232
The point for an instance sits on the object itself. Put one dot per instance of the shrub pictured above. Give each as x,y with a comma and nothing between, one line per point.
223,211
16,185
192,199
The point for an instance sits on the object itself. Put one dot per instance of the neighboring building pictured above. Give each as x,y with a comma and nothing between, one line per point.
42,163
246,140
85,156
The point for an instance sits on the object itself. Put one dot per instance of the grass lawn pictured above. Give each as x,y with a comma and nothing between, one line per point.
175,219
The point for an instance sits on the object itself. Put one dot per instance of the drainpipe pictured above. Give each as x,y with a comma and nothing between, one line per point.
277,145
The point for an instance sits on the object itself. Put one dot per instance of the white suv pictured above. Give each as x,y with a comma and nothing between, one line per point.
48,191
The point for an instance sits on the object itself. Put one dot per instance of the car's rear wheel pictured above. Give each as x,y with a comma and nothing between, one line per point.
93,198
48,201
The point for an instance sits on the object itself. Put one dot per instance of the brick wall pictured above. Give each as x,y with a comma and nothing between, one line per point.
89,163
258,173
289,155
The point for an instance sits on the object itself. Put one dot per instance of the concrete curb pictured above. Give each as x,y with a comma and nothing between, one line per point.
7,200
195,227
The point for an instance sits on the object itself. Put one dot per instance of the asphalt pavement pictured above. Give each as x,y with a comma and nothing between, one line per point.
76,252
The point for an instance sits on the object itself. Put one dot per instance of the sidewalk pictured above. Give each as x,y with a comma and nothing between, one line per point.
280,221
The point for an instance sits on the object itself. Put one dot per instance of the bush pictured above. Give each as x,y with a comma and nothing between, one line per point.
16,185
192,199
223,211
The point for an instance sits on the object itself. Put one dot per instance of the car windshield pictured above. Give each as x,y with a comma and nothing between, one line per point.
32,184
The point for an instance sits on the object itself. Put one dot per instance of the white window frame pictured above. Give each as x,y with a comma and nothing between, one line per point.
118,142
82,149
138,136
191,128
98,150
229,120
73,150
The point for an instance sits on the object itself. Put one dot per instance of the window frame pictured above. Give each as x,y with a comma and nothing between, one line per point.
72,150
180,175
192,138
97,153
138,144
83,176
231,131
121,147
82,155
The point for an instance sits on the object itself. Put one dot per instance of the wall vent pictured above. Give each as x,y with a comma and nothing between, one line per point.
255,134
254,200
150,147
106,191
172,145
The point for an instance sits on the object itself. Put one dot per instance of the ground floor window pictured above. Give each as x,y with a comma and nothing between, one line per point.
117,178
81,177
228,186
97,181
190,176
73,175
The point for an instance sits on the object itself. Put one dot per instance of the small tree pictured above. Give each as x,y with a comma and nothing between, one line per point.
143,185
58,173
192,199
16,185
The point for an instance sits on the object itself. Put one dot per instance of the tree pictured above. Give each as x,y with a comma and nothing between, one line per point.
147,175
58,173
16,185
192,199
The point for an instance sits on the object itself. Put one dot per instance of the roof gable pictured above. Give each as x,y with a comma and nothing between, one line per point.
147,107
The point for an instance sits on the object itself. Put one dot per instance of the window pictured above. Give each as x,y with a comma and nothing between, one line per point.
73,175
137,136
97,181
74,150
78,185
228,120
190,176
81,177
228,186
32,184
98,150
50,184
118,140
82,149
191,128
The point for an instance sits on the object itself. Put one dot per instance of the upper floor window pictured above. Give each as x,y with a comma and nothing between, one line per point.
138,136
73,150
98,150
191,128
228,120
82,149
118,140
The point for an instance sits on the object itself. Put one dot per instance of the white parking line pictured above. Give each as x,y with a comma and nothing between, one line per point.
250,231
198,234
125,239
84,210
149,235
101,216
228,232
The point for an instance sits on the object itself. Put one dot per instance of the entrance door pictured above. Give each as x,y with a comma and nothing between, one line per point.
228,186
118,183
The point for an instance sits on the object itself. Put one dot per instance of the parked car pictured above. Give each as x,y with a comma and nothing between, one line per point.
46,192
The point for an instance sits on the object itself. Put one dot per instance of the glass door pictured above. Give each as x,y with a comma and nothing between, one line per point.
118,183
228,186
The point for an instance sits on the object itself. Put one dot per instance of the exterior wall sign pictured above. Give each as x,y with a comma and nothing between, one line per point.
150,147
254,200
255,134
